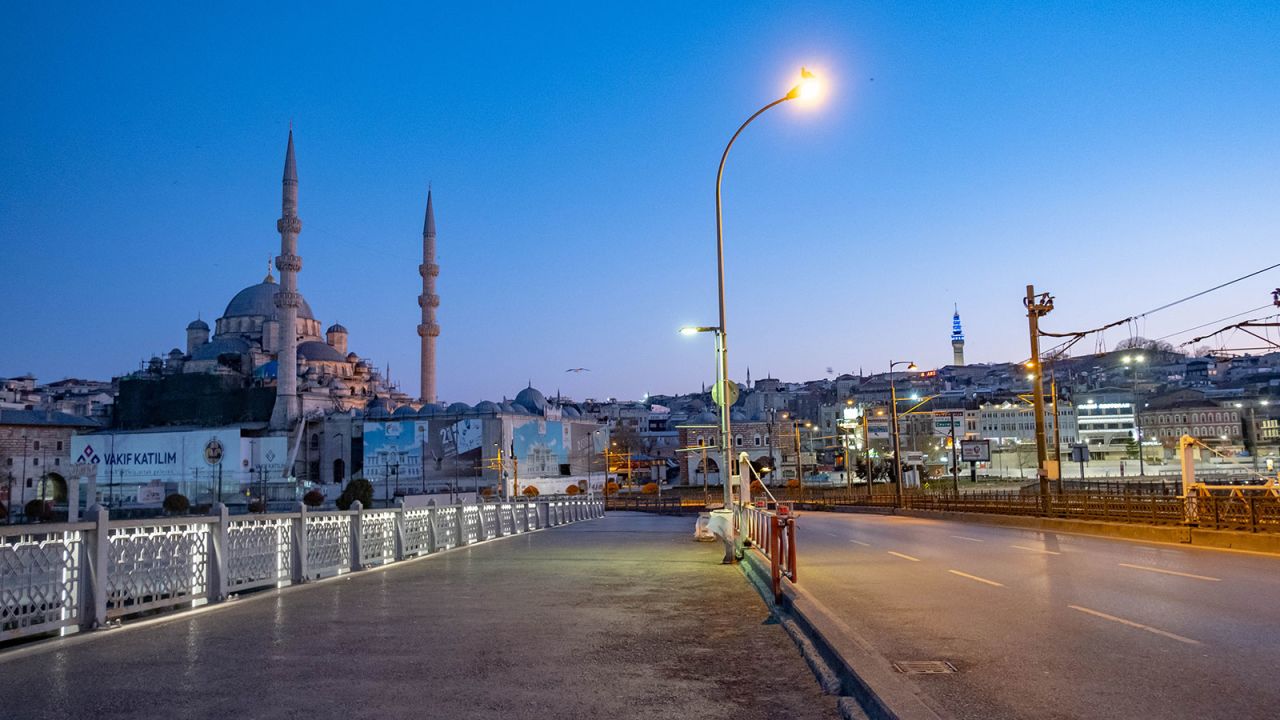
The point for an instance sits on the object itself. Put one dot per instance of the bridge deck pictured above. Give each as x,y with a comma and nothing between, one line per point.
622,617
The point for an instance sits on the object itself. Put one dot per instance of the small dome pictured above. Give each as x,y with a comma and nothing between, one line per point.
736,415
532,400
317,351
429,409
458,408
485,406
352,357
220,346
571,412
336,328
404,411
377,408
176,353
508,407
198,324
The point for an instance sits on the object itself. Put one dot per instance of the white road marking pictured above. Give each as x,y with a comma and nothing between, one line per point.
904,557
962,537
975,577
1140,626
1170,572
1039,550
859,542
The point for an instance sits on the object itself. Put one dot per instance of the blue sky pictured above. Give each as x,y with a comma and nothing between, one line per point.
1118,155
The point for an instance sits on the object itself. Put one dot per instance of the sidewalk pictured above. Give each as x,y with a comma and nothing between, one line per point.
624,617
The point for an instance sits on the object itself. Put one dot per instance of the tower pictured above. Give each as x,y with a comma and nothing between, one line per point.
428,330
957,339
287,410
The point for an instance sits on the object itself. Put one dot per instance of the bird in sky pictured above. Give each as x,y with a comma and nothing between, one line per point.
578,370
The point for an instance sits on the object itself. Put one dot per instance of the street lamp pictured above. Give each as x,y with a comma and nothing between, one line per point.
1135,361
897,442
809,89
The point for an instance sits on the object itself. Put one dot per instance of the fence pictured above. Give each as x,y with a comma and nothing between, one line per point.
64,576
772,533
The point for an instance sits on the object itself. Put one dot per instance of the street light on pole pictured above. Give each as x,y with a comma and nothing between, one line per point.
809,88
1135,361
897,443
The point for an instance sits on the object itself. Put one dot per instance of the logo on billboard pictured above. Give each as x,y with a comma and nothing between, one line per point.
88,455
975,450
213,451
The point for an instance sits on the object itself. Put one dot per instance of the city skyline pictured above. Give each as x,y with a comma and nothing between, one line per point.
961,155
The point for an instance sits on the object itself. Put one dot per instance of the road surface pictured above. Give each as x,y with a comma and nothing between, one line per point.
1052,625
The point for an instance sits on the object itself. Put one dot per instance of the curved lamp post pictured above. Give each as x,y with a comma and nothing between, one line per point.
897,442
808,87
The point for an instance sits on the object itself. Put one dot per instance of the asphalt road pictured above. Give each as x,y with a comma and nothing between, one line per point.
1052,625
622,617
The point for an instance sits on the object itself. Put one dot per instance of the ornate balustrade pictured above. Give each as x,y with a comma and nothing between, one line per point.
68,576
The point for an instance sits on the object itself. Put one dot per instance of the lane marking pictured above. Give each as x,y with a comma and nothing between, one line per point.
975,577
859,542
1039,550
962,537
1170,572
904,557
1140,626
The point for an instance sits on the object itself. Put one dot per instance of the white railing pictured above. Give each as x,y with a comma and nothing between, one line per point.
68,576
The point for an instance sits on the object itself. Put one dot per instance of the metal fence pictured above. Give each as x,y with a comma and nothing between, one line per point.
772,533
67,576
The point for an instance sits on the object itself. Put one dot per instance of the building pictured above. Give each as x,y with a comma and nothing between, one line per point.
1014,423
35,455
957,340
1105,421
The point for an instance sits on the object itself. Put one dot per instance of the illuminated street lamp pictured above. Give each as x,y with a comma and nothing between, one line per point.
810,90
897,442
1135,361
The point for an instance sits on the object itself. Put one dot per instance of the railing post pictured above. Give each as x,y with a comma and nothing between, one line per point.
431,530
1253,514
357,539
93,578
219,562
300,569
399,529
461,524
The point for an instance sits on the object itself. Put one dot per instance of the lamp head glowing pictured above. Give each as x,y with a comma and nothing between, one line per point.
688,330
810,89
912,367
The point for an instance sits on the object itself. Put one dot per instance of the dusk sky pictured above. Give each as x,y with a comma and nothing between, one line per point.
1119,156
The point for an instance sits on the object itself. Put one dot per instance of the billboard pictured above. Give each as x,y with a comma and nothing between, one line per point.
142,467
542,446
975,450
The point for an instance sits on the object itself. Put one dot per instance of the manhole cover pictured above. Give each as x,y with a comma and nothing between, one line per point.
924,667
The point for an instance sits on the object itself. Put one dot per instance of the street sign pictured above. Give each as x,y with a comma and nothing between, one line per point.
913,457
733,392
1079,452
975,450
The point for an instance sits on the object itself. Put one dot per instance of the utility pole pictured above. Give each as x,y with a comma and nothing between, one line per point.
1057,425
1037,307
799,467
955,461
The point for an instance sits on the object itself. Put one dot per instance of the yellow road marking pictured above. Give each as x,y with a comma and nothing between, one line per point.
1133,624
962,537
1039,550
859,542
1171,572
904,557
975,577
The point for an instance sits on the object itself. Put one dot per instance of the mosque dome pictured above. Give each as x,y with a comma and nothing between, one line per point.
198,324
404,411
317,351
508,407
459,408
336,328
571,412
486,406
259,301
532,400
377,408
220,346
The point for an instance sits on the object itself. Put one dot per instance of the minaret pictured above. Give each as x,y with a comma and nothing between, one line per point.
957,339
287,410
428,331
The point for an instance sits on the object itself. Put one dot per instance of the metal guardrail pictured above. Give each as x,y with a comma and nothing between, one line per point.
68,576
772,533
1259,513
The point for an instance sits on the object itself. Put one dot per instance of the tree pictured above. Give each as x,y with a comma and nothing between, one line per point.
1137,342
313,498
358,489
176,504
611,488
649,489
38,510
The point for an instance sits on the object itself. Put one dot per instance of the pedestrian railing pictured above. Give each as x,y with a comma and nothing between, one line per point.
83,575
772,533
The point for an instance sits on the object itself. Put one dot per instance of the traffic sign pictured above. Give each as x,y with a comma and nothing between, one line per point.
733,393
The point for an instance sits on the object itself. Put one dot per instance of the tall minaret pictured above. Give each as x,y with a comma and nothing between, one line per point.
428,301
957,339
287,410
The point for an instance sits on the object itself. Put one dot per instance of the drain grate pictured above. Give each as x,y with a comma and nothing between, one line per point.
924,667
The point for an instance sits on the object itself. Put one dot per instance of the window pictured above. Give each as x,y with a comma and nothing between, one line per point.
757,437
35,461
37,445
59,444
8,461
737,441
315,442
57,461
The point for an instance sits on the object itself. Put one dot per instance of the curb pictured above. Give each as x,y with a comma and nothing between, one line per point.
844,664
